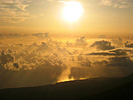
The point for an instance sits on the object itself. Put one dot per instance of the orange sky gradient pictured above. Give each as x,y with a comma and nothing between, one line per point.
114,17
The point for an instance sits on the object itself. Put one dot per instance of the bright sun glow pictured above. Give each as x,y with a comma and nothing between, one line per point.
72,11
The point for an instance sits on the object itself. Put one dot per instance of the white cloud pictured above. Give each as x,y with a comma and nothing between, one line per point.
111,3
13,11
117,3
106,2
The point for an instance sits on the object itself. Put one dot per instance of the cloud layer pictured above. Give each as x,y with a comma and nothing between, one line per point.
48,61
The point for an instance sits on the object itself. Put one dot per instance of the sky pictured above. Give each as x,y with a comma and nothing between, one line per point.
39,46
34,16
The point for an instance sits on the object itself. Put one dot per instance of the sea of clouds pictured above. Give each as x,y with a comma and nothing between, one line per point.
44,60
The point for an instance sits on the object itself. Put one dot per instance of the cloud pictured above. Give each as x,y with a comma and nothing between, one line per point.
120,61
103,54
16,65
117,3
42,35
102,45
20,4
102,36
79,73
117,41
106,2
13,11
25,66
6,58
42,62
100,70
109,67
128,44
81,42
42,75
113,52
115,61
85,63
12,35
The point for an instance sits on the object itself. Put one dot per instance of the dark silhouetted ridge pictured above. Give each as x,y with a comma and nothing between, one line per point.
123,92
90,89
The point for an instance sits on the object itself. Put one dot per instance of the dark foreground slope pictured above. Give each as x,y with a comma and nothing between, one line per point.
123,92
91,89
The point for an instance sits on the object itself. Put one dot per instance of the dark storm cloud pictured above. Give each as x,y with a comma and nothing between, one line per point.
102,45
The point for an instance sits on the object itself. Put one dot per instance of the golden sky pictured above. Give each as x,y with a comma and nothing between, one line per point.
33,16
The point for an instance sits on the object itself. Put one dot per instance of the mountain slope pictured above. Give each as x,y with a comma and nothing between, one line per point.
73,90
123,92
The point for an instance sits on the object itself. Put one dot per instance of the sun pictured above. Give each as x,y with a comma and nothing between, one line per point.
72,11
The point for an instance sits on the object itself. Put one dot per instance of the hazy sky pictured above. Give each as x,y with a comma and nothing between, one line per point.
99,16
